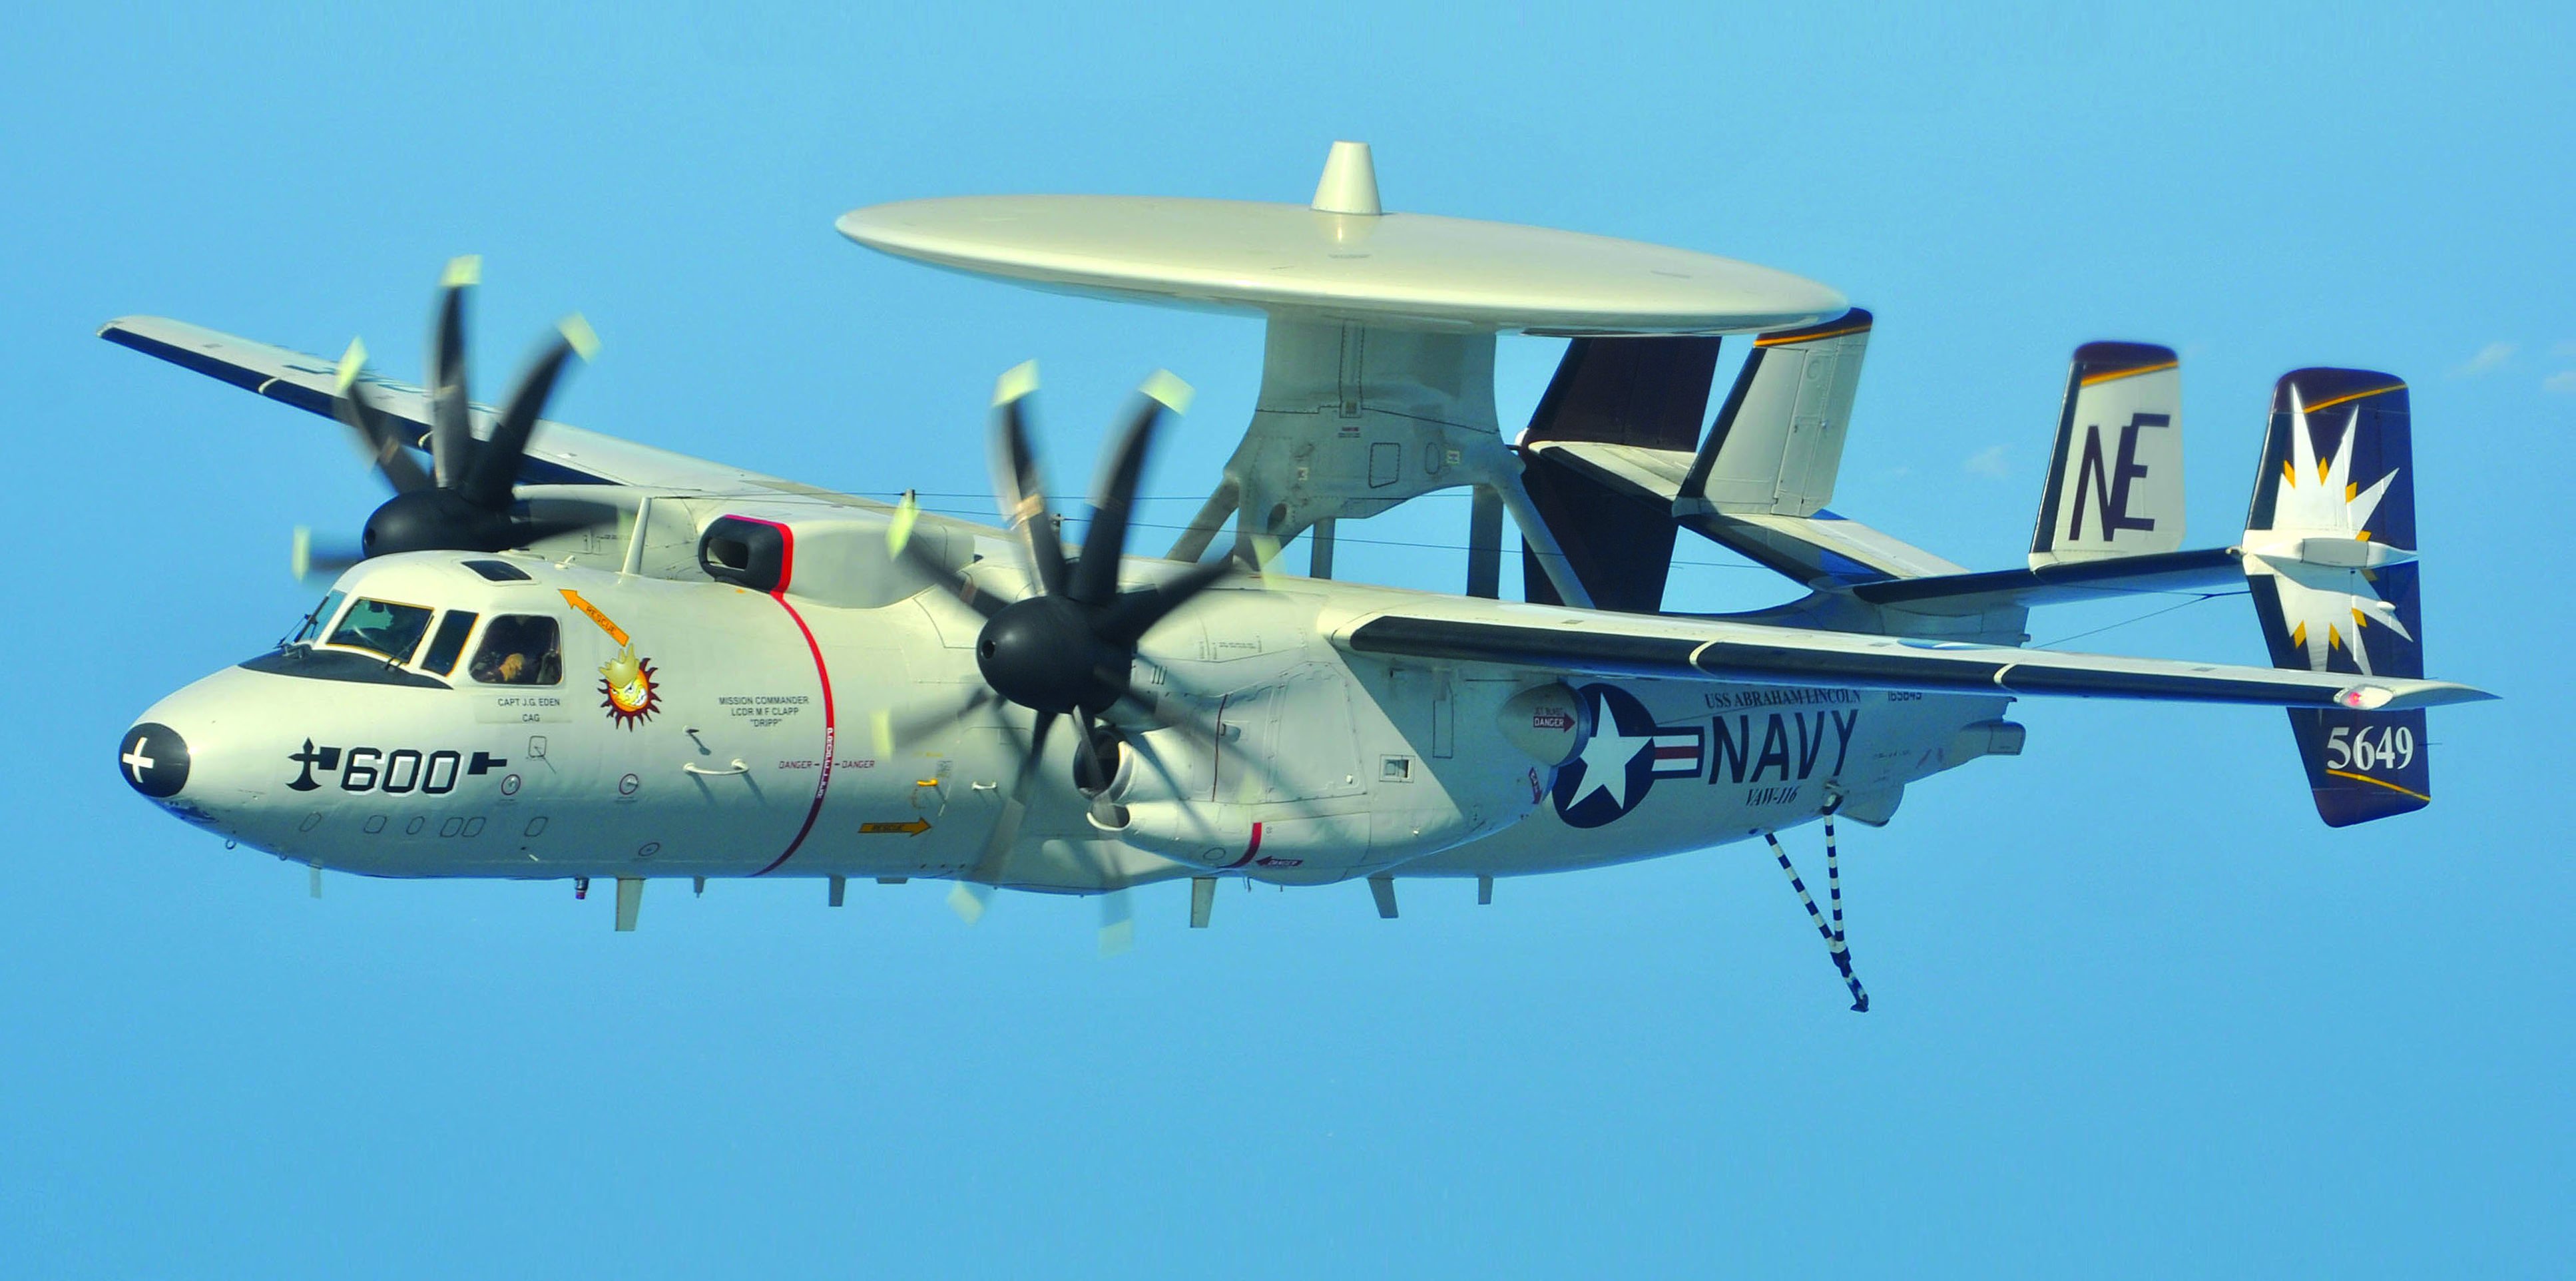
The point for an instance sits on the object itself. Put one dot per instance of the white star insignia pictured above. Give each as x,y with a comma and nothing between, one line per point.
1605,759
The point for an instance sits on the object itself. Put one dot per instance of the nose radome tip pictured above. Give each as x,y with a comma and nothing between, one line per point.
154,759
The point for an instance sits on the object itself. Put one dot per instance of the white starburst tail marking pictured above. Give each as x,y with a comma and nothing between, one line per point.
2318,550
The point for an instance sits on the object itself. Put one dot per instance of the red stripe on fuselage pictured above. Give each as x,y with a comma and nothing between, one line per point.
822,673
1249,850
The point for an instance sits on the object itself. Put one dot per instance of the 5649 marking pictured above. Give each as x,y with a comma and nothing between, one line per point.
2392,747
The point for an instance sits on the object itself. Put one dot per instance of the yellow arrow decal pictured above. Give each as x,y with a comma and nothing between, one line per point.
615,632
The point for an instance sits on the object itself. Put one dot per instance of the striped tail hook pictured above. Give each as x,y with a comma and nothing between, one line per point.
1833,933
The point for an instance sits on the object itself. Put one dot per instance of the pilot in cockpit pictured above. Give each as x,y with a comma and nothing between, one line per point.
520,649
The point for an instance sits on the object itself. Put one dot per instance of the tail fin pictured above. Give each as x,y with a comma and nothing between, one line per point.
1643,397
1779,441
2330,561
2115,482
1610,463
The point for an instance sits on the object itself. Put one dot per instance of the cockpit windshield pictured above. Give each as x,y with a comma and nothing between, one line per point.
311,628
383,627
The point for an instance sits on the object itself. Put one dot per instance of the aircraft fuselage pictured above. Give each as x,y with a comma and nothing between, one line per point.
701,729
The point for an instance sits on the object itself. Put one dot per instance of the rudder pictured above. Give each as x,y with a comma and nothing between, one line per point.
1778,442
2330,546
2115,477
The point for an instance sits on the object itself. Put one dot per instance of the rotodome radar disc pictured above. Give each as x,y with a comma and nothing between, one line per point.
1396,268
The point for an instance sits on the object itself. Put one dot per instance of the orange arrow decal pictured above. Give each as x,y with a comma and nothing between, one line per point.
615,633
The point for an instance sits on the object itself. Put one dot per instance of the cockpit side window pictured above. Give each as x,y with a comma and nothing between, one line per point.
448,643
311,628
520,649
384,627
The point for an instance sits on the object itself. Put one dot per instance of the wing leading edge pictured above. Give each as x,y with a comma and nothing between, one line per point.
559,454
1675,648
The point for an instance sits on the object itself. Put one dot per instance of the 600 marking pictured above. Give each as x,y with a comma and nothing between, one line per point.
403,769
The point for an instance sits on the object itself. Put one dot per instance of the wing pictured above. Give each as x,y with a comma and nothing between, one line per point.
559,454
1585,643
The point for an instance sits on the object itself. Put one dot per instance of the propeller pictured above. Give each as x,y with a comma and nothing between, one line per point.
1117,904
1065,650
466,499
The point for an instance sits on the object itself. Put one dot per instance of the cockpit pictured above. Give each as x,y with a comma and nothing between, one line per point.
399,632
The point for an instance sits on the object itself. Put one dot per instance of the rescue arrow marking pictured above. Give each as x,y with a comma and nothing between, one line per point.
615,633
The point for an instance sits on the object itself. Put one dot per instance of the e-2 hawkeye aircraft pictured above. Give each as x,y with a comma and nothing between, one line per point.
560,655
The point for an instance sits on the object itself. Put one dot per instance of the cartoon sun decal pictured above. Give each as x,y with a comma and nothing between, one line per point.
2325,599
626,683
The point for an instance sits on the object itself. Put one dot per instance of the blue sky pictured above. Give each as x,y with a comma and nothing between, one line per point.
2138,1012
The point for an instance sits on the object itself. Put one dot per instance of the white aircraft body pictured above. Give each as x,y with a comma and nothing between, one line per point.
566,656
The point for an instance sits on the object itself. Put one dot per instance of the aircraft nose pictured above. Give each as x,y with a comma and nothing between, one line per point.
154,760
183,753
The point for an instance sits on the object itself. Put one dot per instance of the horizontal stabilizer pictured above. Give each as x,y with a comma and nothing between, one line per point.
2060,583
1681,648
1757,486
1821,551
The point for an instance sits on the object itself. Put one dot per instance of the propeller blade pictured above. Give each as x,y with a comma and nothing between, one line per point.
1174,713
1117,907
1135,612
528,531
1095,576
957,585
383,445
451,441
1117,923
1153,760
1021,786
975,889
1018,483
1203,729
899,526
891,733
968,899
496,463
306,558
1090,763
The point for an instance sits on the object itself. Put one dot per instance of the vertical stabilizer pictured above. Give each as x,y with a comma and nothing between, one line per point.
2115,480
1778,443
1639,394
2330,561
